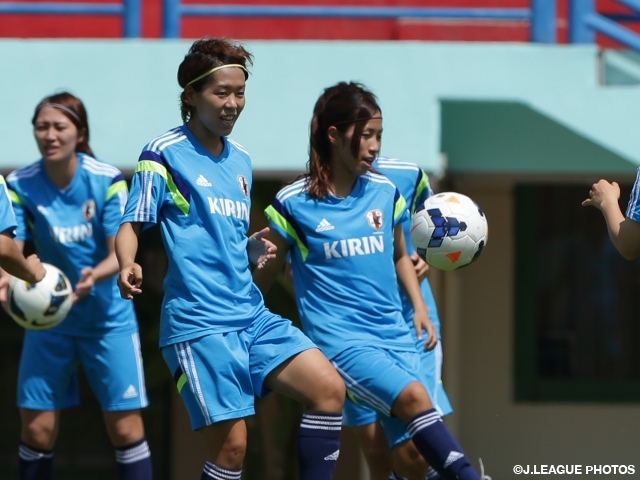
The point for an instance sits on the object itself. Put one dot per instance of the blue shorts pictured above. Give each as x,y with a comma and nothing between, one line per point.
375,376
48,377
357,415
218,375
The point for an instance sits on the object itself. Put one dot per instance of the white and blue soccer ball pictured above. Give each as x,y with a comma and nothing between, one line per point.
449,230
42,305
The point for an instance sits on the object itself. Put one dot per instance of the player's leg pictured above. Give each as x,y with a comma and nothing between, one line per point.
429,434
273,440
218,394
407,460
47,382
227,446
374,445
369,433
38,434
113,367
309,378
387,380
284,360
126,432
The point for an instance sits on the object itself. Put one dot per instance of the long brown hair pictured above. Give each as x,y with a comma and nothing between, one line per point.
340,106
72,108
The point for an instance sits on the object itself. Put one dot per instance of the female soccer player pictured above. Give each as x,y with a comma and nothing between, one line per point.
413,184
12,260
70,205
221,344
342,224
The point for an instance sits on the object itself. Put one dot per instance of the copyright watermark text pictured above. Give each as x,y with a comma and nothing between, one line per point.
574,469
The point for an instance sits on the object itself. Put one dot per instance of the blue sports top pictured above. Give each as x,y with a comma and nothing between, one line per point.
7,217
202,204
70,229
343,263
413,184
633,207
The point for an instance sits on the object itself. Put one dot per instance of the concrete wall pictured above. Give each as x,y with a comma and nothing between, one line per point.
131,92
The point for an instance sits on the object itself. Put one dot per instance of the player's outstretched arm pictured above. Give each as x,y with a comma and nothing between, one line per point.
126,245
624,232
12,260
409,282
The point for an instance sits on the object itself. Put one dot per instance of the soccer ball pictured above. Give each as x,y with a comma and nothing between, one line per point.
42,305
449,230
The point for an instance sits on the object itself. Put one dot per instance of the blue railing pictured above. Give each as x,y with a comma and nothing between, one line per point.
585,22
129,10
542,14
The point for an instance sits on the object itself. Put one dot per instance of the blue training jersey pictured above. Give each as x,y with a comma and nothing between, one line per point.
202,204
413,184
70,229
7,217
343,264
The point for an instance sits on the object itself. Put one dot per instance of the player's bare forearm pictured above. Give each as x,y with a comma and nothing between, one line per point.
14,263
126,247
126,244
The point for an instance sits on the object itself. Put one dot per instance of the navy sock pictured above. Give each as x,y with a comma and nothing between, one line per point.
318,445
35,464
134,461
439,448
212,471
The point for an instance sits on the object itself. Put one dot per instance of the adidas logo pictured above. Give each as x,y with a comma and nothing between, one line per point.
333,457
324,225
130,392
453,457
203,182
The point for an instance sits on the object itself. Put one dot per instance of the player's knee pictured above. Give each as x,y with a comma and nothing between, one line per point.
413,400
124,428
233,452
38,435
330,392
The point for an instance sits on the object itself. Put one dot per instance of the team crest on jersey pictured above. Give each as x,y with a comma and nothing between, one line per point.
375,218
244,185
89,209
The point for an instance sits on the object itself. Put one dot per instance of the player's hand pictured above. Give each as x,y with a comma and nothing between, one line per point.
261,250
130,281
602,192
35,266
422,324
84,285
421,267
4,285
